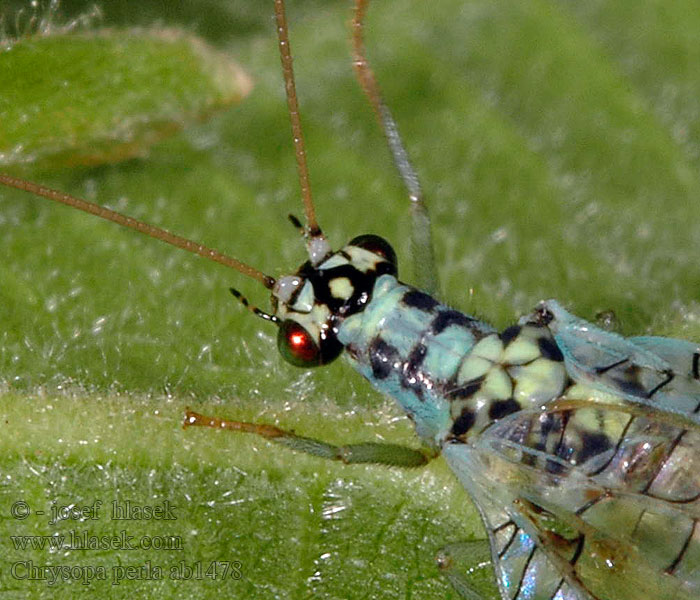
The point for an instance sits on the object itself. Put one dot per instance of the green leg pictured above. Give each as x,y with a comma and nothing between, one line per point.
374,453
468,567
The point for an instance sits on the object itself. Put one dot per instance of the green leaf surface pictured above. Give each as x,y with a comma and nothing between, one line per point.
557,143
84,98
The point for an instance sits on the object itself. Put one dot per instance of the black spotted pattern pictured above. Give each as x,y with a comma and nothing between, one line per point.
503,408
382,358
419,300
509,334
411,375
446,318
549,349
464,422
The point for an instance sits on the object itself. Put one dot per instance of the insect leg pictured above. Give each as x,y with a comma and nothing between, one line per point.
374,453
467,565
425,273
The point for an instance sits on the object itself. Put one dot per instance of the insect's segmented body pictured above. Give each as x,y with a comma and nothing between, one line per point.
515,416
447,370
579,446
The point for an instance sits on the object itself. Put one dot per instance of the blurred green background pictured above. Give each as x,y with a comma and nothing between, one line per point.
558,145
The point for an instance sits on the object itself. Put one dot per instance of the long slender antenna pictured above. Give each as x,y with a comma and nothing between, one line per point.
317,244
369,85
422,240
140,226
254,309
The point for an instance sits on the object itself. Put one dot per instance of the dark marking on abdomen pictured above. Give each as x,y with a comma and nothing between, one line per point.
464,422
509,334
592,444
503,408
549,349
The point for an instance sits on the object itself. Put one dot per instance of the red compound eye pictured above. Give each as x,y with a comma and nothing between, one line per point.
297,346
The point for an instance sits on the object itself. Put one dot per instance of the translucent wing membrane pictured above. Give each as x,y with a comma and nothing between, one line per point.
657,372
582,503
599,490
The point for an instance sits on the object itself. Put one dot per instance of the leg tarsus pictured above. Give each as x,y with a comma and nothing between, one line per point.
369,452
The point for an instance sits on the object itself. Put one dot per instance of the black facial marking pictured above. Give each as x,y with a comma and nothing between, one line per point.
696,365
382,357
377,245
419,300
446,318
549,349
509,334
362,284
592,444
502,408
464,422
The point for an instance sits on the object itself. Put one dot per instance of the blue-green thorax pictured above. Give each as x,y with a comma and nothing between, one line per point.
411,347
452,374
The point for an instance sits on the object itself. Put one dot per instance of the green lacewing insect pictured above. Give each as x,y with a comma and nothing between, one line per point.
577,444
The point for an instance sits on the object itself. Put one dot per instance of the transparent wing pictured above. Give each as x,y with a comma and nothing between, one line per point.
584,501
524,568
660,373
